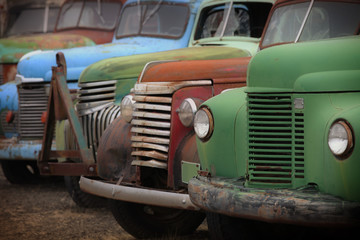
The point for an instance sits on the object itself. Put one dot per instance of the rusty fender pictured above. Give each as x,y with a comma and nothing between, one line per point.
114,152
305,206
137,195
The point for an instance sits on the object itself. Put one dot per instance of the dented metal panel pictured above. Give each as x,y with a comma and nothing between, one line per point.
306,206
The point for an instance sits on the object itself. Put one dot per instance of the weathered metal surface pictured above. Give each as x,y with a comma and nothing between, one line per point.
219,71
116,68
59,99
80,58
114,152
15,149
67,169
137,195
305,206
13,48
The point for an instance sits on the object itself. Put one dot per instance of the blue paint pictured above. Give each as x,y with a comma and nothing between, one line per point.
38,64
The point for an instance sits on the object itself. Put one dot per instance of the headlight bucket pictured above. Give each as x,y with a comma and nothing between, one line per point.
187,110
127,108
203,124
340,139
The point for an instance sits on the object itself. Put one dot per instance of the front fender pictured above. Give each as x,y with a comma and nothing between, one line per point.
114,152
8,102
218,154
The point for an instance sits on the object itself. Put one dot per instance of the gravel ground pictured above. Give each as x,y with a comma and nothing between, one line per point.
46,211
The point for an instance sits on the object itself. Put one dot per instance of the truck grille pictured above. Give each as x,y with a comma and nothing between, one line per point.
276,140
95,96
96,110
151,130
33,99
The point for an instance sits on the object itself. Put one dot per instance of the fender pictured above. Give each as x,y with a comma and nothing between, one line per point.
114,152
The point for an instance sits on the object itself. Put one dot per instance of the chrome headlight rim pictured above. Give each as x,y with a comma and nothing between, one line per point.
127,108
187,110
346,127
206,111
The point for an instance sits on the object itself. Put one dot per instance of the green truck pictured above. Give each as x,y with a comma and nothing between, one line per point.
284,148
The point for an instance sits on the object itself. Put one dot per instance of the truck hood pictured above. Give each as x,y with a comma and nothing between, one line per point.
38,65
13,48
131,66
331,65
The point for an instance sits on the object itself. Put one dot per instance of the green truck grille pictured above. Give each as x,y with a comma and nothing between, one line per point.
276,140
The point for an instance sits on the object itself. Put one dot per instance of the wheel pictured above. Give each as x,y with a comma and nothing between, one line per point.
225,227
144,221
20,172
82,199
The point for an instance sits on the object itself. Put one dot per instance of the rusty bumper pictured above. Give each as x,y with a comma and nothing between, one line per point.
137,195
305,206
15,149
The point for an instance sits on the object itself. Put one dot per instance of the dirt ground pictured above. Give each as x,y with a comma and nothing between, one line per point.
46,211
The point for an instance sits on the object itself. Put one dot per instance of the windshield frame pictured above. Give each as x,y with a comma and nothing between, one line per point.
304,21
45,20
139,33
78,26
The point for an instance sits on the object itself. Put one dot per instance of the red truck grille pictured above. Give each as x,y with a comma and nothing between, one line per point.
151,130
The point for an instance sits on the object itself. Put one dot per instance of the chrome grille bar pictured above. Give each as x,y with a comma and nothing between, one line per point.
95,96
33,99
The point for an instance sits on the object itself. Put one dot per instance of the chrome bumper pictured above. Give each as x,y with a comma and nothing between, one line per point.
137,195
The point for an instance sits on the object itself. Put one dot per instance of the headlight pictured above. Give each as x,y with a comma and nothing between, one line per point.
186,112
340,139
127,107
203,124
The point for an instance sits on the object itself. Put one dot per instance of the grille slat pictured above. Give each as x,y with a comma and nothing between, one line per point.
96,110
151,130
33,100
276,145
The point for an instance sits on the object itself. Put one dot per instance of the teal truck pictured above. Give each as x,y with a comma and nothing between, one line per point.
284,148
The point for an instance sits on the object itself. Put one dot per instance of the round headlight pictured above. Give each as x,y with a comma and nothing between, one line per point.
127,107
203,124
340,138
186,112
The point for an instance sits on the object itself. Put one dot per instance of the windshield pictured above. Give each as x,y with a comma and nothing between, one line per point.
321,20
153,19
233,19
32,21
96,15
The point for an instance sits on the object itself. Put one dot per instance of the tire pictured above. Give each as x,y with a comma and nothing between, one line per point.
144,221
82,199
20,172
222,227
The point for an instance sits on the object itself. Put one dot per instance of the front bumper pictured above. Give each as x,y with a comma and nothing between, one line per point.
305,206
15,149
137,195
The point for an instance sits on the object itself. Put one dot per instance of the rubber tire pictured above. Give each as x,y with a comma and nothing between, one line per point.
133,218
222,227
82,199
17,172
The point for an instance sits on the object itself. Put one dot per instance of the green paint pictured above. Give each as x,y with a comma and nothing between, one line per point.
290,68
131,66
13,48
325,74
188,170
